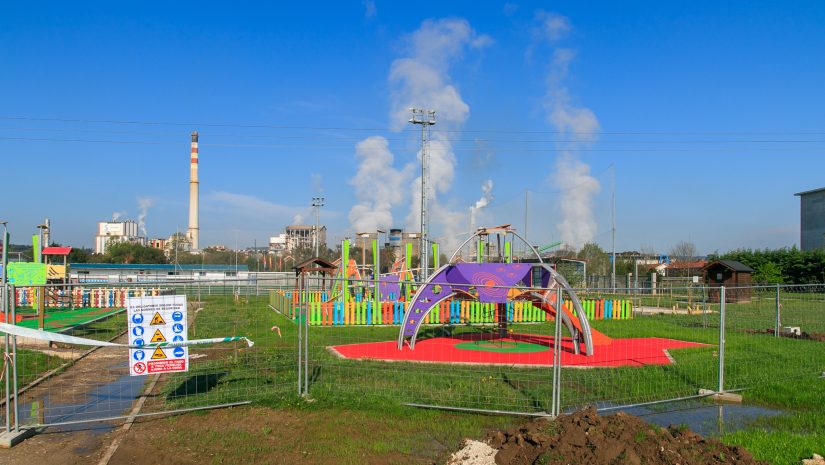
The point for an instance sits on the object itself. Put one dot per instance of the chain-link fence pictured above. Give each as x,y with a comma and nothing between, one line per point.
339,344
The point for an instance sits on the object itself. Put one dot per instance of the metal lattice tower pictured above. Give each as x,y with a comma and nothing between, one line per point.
425,118
317,202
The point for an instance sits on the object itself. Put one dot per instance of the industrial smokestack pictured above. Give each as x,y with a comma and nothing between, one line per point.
194,230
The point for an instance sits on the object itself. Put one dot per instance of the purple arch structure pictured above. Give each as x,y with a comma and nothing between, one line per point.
492,282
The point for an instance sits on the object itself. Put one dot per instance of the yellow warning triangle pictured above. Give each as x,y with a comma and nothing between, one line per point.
157,320
157,337
158,354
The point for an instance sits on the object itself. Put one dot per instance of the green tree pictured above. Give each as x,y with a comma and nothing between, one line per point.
128,252
598,261
768,273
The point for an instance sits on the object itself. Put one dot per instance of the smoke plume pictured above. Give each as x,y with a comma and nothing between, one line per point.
116,215
422,80
144,203
378,186
578,127
486,198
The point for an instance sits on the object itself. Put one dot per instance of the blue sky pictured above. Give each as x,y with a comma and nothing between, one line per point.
706,117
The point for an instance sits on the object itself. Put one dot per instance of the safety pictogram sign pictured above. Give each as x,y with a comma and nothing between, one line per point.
153,323
157,337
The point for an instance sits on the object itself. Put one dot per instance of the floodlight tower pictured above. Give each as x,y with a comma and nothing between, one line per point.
317,202
425,118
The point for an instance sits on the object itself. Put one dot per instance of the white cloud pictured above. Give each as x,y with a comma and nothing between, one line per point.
580,125
422,80
378,186
552,26
370,10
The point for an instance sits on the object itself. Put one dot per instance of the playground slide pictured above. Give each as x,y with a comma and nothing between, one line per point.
599,338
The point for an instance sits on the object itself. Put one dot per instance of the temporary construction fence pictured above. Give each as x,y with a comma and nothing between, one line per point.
347,354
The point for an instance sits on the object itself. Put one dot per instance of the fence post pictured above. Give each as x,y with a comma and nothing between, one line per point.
556,391
13,320
778,319
300,341
721,340
6,354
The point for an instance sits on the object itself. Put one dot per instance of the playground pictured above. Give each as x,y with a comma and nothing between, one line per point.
481,339
518,350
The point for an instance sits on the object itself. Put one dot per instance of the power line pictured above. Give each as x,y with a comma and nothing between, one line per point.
353,128
776,149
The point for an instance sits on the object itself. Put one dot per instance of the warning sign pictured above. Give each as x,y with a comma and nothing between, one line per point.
157,337
164,319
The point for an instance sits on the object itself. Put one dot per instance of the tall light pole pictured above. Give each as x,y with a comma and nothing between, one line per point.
41,227
425,118
317,202
5,259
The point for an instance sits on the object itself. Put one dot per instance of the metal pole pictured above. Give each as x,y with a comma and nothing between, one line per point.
425,118
5,309
557,355
778,318
613,272
306,349
5,355
300,339
14,364
721,340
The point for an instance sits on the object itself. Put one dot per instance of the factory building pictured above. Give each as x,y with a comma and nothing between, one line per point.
398,240
812,219
303,236
109,232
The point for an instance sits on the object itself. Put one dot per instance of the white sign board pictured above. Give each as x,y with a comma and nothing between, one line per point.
153,320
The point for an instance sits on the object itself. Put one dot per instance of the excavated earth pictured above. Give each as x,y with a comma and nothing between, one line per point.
585,437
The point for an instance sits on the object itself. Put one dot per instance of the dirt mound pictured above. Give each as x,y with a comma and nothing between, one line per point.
586,437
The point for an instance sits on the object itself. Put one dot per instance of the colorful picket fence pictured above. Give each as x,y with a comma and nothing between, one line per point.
365,312
82,297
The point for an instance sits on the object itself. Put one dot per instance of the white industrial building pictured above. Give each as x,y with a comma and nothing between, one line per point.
109,232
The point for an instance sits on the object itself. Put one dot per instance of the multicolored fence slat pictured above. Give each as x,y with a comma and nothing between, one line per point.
363,312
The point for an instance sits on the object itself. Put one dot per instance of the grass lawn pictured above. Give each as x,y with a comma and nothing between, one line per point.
777,372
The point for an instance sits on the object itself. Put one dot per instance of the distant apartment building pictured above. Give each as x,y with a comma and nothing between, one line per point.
277,244
812,219
111,232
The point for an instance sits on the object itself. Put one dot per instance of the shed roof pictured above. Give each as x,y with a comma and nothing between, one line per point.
319,263
56,250
813,191
732,265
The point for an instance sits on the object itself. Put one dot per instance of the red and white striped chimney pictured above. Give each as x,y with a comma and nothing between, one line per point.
194,230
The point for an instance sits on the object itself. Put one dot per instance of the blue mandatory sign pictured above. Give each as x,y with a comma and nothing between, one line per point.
177,316
178,352
137,331
139,355
177,338
177,327
137,318
139,342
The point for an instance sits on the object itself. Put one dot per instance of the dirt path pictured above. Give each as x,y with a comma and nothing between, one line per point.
97,386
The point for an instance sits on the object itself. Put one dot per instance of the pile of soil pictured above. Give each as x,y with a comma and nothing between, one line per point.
820,337
586,437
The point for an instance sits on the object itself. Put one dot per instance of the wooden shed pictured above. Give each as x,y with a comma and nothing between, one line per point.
735,276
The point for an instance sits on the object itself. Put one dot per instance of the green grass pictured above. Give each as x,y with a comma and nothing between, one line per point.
779,372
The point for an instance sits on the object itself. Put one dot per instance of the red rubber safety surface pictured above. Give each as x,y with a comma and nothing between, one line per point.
621,352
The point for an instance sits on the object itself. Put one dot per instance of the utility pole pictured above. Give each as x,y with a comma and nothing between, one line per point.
425,118
317,202
613,199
